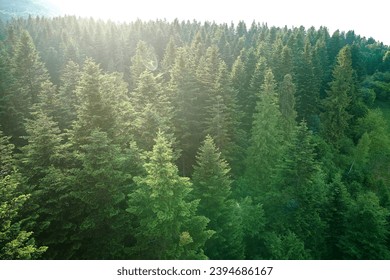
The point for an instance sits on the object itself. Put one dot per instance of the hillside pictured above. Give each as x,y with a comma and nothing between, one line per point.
24,8
192,140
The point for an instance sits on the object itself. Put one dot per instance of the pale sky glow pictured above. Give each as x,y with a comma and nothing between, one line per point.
367,18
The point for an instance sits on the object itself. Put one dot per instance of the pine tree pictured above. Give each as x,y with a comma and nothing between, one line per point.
67,97
44,164
169,56
336,118
99,193
141,61
308,90
223,120
287,106
304,191
15,241
265,149
212,186
366,229
168,226
152,110
103,104
28,74
187,120
339,204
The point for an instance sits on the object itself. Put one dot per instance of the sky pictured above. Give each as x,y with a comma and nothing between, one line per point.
367,18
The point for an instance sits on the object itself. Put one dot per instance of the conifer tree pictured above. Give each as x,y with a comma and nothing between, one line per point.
152,110
15,241
303,187
223,121
308,90
287,106
43,164
139,62
212,186
265,149
339,204
187,120
28,74
168,226
336,118
67,98
103,104
366,229
99,192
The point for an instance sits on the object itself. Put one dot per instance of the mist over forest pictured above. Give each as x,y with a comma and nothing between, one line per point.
191,140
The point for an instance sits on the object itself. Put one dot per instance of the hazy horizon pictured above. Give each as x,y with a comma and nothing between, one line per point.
366,21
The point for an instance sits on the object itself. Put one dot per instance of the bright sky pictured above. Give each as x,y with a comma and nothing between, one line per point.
368,18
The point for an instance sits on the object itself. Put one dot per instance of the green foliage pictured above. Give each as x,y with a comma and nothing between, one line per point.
294,166
99,191
15,241
336,118
25,85
285,247
265,149
212,186
366,229
168,226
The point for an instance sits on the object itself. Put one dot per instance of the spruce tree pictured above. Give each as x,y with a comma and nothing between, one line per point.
99,192
15,241
265,150
152,110
304,191
168,226
366,229
212,185
287,106
28,73
187,118
336,118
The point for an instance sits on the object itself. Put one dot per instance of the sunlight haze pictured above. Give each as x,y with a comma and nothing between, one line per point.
366,18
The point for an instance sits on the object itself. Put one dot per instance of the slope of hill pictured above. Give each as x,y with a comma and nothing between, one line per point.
23,8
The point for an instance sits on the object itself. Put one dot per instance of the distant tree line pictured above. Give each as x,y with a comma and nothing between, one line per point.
189,140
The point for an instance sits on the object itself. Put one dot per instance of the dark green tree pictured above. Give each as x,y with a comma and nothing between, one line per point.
168,226
212,185
15,241
366,229
99,192
265,150
336,118
28,73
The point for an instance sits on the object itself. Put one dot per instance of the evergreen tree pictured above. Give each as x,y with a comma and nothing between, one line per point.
308,90
336,117
103,104
224,120
152,110
15,241
287,106
28,74
304,190
67,97
265,150
212,186
99,193
366,229
44,161
339,203
168,226
187,118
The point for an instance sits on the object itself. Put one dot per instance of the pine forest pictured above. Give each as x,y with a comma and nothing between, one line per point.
192,140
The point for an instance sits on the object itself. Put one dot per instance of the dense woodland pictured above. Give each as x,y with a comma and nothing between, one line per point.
188,140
